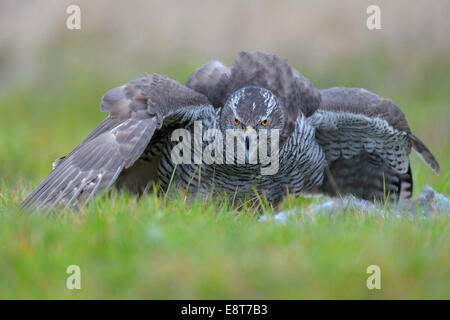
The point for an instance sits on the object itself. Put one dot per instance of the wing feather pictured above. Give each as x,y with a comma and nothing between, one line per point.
212,80
136,111
367,142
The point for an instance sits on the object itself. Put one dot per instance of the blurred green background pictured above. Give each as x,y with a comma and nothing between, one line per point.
51,82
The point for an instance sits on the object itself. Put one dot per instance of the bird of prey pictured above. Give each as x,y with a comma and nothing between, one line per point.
333,141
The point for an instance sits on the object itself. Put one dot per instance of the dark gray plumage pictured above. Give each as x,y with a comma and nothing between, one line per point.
338,140
367,141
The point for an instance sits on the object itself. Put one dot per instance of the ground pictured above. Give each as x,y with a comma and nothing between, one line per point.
169,247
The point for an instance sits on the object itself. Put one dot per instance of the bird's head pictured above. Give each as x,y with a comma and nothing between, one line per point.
252,108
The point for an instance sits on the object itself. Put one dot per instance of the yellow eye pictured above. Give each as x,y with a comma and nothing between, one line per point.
265,122
236,121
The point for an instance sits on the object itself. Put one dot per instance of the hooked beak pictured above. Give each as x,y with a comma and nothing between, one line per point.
247,133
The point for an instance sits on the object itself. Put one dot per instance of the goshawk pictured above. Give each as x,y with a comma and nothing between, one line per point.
334,141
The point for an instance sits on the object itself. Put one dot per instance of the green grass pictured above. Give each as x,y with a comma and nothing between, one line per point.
147,249
153,248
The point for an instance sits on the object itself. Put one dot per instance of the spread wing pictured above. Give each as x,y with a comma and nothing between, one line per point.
367,142
136,110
